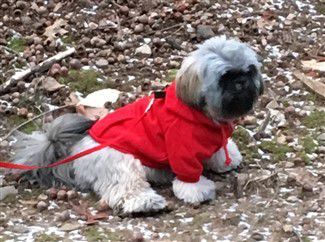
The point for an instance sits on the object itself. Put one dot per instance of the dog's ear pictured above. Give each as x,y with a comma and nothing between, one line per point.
188,83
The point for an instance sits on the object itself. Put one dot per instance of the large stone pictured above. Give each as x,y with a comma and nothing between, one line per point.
143,50
102,63
204,32
8,190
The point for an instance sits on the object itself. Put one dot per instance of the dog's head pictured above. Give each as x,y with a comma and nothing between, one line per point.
222,78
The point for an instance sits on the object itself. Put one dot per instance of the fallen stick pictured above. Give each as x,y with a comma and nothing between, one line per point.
316,86
43,66
36,117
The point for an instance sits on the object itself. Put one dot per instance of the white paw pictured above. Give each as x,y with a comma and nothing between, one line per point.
147,201
200,191
217,161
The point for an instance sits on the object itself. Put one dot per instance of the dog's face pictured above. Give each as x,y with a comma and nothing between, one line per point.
221,78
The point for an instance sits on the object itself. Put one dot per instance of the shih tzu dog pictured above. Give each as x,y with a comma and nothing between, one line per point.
168,137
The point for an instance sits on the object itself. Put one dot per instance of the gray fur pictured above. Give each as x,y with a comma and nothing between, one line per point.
54,143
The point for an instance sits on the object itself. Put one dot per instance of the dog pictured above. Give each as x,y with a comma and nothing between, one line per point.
169,137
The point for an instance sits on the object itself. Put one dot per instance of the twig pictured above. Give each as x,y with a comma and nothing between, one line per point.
36,117
9,50
43,66
274,195
260,179
263,126
119,29
116,4
167,28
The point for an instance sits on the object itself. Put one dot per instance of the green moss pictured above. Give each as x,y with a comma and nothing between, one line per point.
48,238
17,44
85,81
10,199
277,151
242,139
320,7
308,144
315,120
15,120
68,39
171,75
93,235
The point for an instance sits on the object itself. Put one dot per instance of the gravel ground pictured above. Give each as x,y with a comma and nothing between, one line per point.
137,46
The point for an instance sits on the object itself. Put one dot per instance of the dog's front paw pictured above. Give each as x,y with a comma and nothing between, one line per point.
217,162
198,192
146,201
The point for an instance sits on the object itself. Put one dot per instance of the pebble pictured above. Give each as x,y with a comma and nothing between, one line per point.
52,192
250,120
62,195
257,236
204,32
143,50
138,28
137,237
41,206
289,110
72,194
102,63
4,144
64,216
75,64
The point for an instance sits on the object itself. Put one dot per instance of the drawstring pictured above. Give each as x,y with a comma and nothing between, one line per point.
224,145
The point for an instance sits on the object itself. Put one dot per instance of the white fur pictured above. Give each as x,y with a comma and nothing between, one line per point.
201,191
217,161
117,177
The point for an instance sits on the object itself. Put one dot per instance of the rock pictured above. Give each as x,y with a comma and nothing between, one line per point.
272,105
20,229
62,195
50,84
138,28
67,227
321,149
102,63
55,70
257,236
41,206
72,194
42,197
22,112
289,110
143,50
102,206
250,120
143,19
63,217
6,191
321,138
52,192
75,64
98,42
4,144
137,237
287,228
204,32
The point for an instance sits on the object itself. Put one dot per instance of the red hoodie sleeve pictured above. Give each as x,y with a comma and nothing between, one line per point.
186,150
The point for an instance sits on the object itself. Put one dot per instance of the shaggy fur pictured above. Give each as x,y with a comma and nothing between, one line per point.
220,78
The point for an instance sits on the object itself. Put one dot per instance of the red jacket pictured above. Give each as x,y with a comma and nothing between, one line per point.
164,134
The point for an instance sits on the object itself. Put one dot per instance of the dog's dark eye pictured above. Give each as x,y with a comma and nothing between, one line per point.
239,86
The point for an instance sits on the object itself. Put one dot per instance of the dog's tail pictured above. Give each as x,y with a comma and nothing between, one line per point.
42,148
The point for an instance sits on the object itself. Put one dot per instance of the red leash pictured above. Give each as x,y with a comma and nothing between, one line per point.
10,165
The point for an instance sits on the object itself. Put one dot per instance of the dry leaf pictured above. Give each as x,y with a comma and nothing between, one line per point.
57,29
314,65
316,86
50,84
